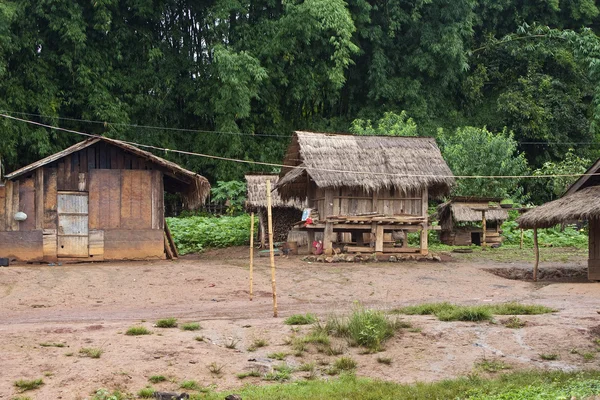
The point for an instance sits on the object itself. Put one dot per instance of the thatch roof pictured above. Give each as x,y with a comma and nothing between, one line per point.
456,210
196,188
257,193
367,162
580,205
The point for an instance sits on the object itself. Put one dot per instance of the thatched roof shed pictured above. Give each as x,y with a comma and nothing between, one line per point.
368,162
580,205
257,193
462,209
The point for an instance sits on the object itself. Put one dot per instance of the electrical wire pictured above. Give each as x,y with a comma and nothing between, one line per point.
301,167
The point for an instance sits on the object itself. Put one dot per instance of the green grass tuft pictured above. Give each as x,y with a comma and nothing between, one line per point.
157,378
492,365
384,360
190,385
257,344
345,364
146,393
451,312
301,319
191,326
137,331
47,344
25,385
514,323
549,356
166,323
253,373
91,352
278,356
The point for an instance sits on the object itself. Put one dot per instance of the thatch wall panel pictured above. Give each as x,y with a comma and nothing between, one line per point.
257,193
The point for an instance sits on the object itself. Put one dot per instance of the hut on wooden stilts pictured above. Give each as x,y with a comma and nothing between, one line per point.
285,213
581,202
461,221
365,187
101,199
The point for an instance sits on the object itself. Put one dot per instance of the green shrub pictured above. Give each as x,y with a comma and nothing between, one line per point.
25,385
167,323
370,328
195,234
157,378
137,331
146,393
91,352
300,319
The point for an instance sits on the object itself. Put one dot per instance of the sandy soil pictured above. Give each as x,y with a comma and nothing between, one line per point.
92,305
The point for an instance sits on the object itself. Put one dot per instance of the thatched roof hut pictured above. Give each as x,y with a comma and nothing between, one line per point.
256,185
580,202
462,210
371,163
578,206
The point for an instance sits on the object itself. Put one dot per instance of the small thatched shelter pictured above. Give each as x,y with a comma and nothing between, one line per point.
285,212
580,203
461,221
100,199
365,184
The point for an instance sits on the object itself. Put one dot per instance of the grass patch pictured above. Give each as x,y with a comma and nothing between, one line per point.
138,331
215,368
514,323
199,338
46,344
492,366
104,394
191,326
588,356
253,373
364,327
197,233
452,312
146,393
345,364
317,337
384,360
282,372
157,378
166,323
257,344
549,356
307,367
24,385
190,385
91,352
300,319
278,356
539,385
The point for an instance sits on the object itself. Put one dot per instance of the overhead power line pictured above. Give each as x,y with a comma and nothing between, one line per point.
209,156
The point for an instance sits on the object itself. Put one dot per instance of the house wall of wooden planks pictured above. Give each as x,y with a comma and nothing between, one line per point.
594,250
99,203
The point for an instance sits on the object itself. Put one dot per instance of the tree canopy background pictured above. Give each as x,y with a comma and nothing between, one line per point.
236,77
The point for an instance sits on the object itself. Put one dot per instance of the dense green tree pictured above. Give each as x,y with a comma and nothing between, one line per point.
391,124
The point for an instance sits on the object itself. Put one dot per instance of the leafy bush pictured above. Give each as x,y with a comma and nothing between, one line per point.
551,237
230,193
195,234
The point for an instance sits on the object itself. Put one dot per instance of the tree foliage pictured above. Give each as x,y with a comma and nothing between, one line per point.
391,124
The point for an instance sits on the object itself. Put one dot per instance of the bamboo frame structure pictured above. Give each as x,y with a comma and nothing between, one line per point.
271,251
251,253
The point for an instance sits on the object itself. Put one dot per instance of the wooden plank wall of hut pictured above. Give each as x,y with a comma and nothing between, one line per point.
594,250
20,240
349,201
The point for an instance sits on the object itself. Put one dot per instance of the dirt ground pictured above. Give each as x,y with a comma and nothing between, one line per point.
92,305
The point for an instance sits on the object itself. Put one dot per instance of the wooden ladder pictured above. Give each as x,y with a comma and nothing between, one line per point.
170,248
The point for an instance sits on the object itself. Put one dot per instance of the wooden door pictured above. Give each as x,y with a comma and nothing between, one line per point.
72,224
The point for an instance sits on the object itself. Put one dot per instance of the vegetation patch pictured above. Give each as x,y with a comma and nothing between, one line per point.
278,356
91,352
215,368
190,385
452,312
146,393
138,331
384,360
25,385
157,378
166,323
514,323
345,364
47,344
191,326
281,372
258,343
105,394
253,373
492,365
549,356
301,319
195,234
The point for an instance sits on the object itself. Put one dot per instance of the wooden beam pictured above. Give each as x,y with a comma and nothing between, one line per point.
364,249
424,213
537,255
39,198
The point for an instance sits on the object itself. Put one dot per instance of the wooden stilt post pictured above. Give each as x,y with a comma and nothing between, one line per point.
521,245
424,232
271,251
484,227
537,255
251,253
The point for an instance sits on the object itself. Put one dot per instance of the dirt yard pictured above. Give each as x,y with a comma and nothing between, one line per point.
92,305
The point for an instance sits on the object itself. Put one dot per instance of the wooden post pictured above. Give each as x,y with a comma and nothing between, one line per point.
328,239
484,226
271,251
310,234
379,239
424,232
521,245
251,252
537,254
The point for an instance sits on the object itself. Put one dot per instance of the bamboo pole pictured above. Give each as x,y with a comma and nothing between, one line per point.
484,225
271,252
251,253
537,255
521,245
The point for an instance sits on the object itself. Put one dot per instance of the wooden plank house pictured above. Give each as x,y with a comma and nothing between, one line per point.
581,202
461,220
285,212
366,188
101,199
